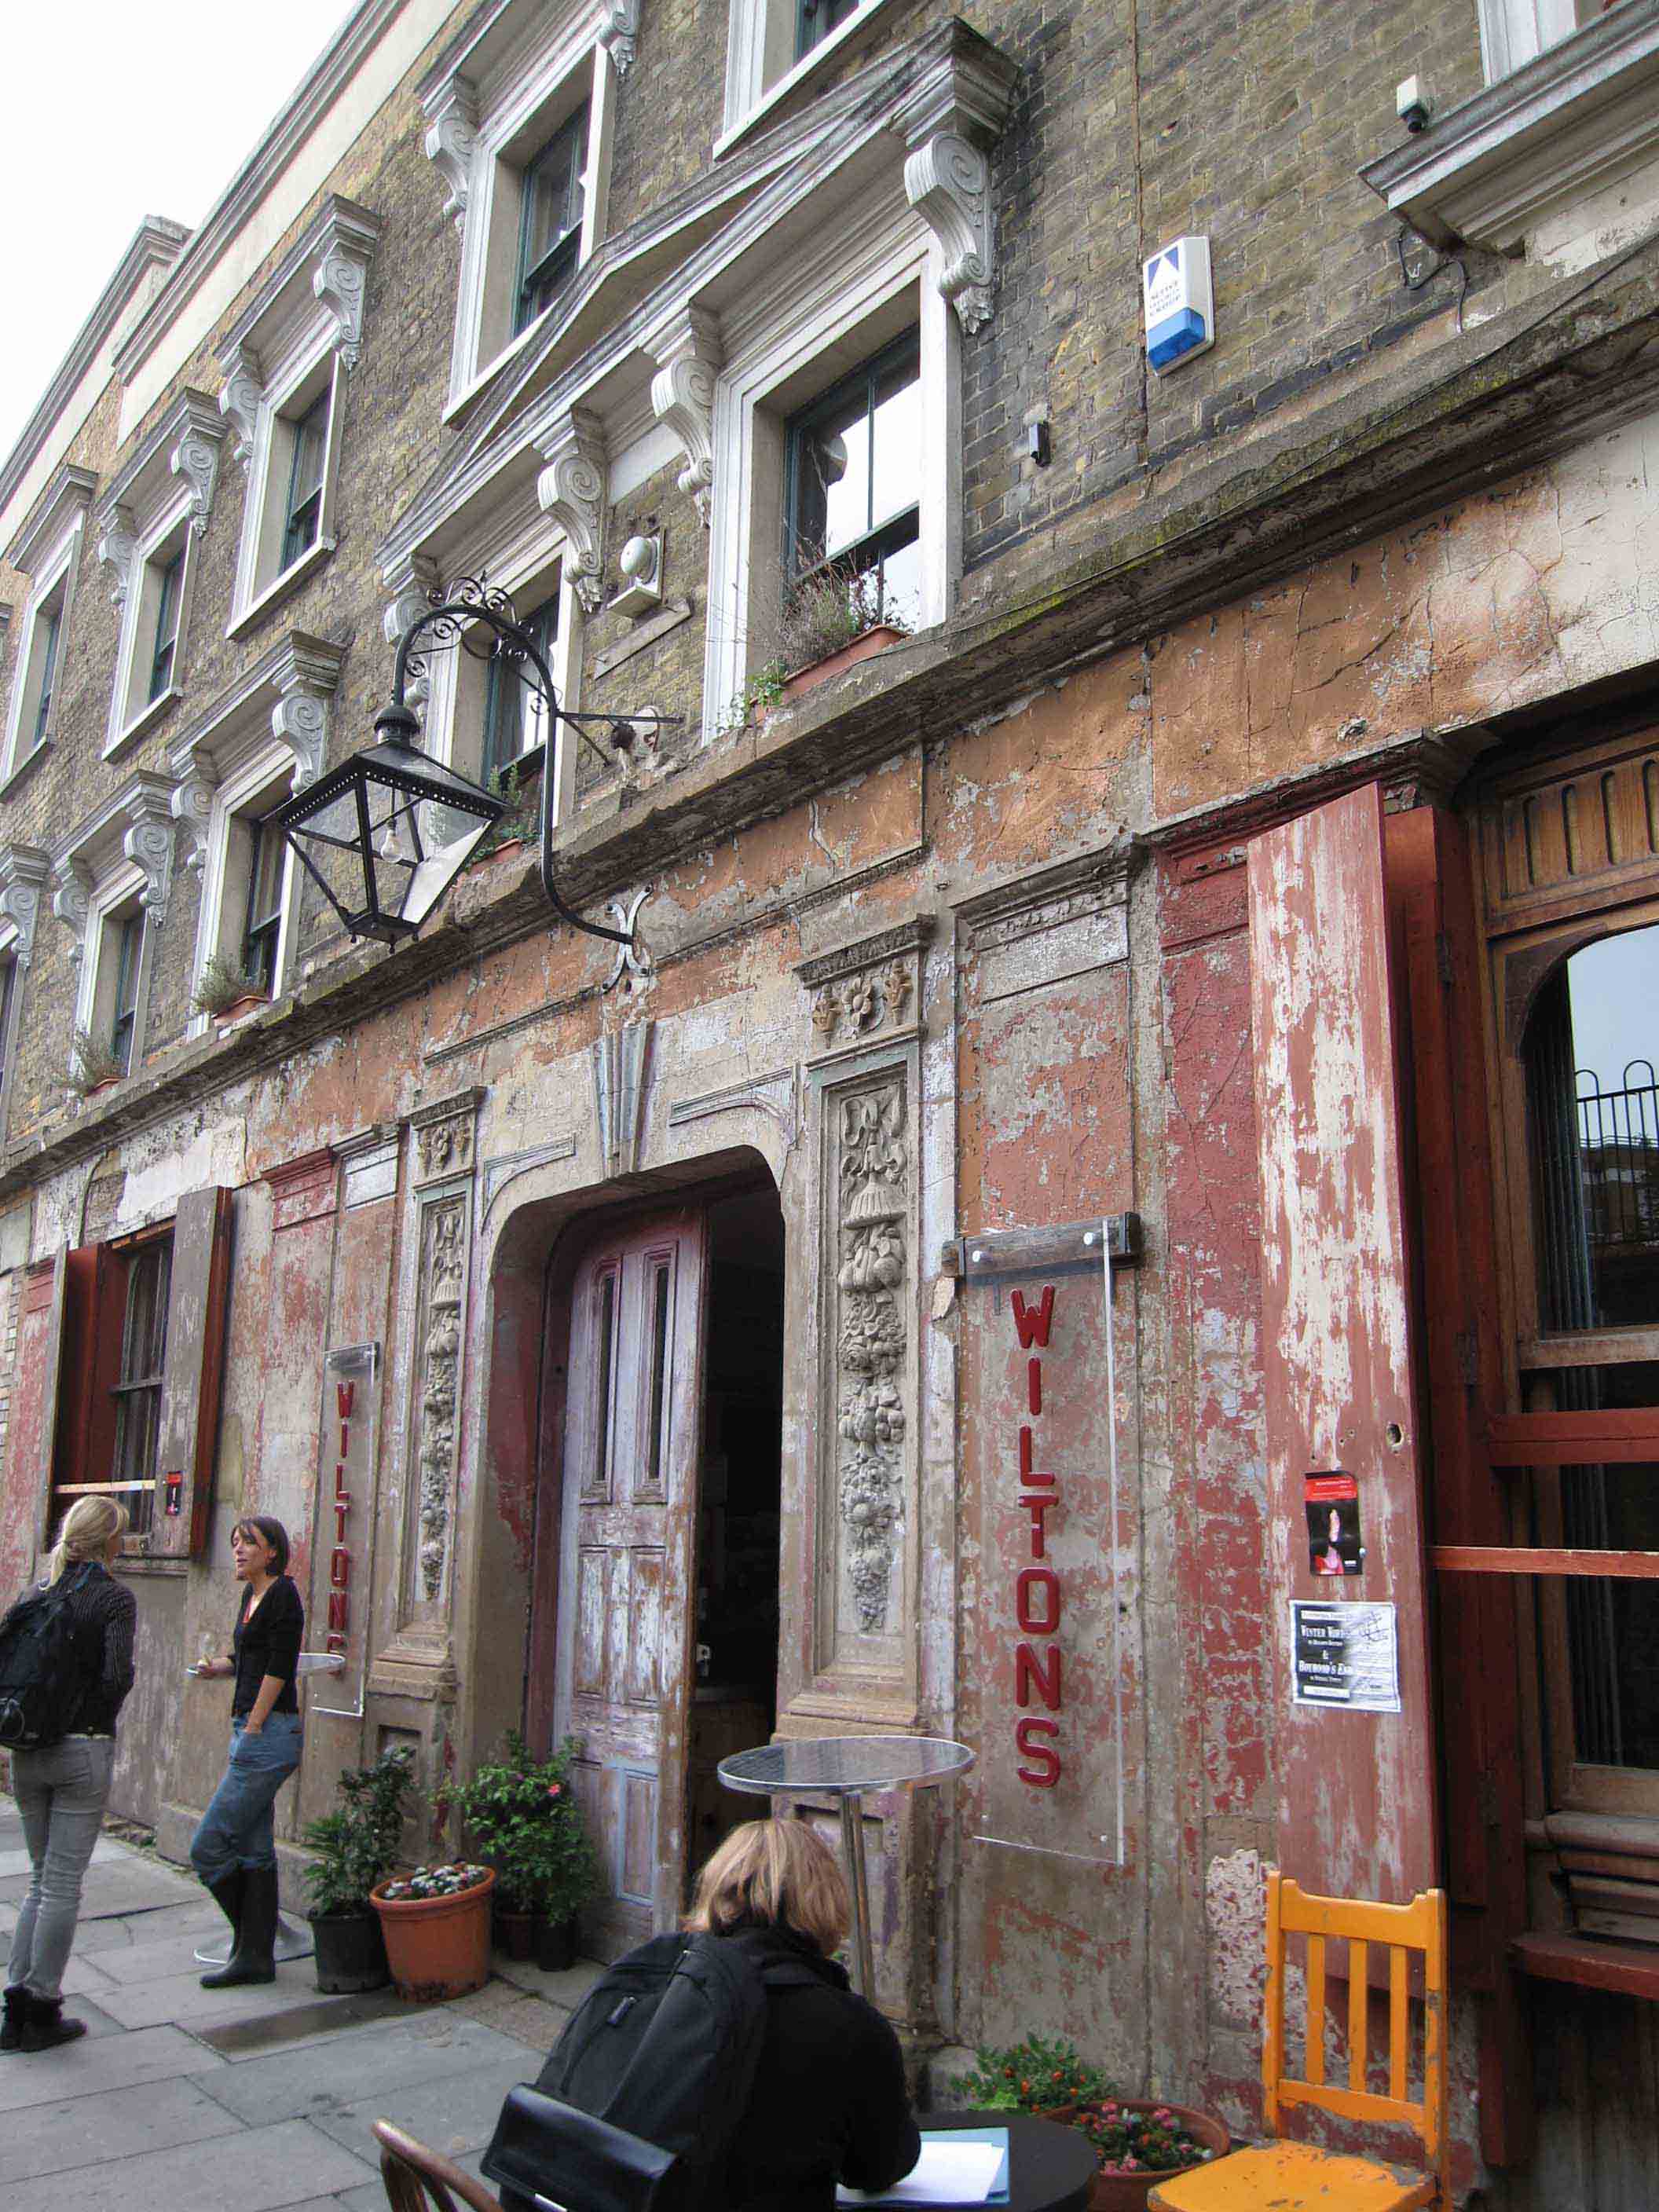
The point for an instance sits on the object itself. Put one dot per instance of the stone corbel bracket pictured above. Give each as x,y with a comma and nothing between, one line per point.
412,583
688,354
195,456
70,901
192,808
23,873
117,549
240,400
572,490
450,139
148,843
619,33
340,278
949,125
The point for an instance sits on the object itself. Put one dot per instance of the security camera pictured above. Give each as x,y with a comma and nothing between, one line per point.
1411,104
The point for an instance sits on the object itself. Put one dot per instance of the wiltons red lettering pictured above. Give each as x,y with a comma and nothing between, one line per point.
339,1563
1038,1588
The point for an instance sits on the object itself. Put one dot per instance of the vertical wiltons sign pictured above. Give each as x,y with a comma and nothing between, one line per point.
1037,1587
345,1518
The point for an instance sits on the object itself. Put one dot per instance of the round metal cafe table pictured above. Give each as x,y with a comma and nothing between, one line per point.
1050,2167
844,1767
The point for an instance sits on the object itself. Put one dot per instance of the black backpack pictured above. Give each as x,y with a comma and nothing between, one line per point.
43,1666
666,2043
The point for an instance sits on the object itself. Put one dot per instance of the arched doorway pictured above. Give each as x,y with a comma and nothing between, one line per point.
656,1639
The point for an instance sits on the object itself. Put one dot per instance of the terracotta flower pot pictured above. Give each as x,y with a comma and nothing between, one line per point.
1127,2192
437,1946
868,642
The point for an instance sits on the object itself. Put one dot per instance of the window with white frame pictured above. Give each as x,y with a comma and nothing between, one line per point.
836,453
150,526
48,552
111,1014
774,45
248,895
486,716
1514,32
286,360
520,131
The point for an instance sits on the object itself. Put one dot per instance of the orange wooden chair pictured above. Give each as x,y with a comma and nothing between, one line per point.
417,2178
1295,2177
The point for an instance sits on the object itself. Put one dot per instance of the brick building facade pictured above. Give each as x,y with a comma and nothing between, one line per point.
1201,872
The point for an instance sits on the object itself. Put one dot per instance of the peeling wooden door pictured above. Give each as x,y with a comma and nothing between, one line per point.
632,1432
1355,1789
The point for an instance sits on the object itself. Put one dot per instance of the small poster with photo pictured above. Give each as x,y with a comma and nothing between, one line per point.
1332,1504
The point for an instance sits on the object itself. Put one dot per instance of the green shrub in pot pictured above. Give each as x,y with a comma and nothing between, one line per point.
355,1846
522,1816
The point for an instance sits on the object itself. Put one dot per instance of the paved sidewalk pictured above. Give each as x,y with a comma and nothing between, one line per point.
184,2099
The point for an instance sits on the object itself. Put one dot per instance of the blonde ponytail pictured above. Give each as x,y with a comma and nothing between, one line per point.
89,1528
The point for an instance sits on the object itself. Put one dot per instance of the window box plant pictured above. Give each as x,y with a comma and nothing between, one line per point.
93,1066
1036,2075
224,993
1138,2143
355,1847
435,1921
829,622
521,1814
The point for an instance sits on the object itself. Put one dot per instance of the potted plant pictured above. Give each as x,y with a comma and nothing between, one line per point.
516,823
1138,2143
435,1921
521,1814
1035,2076
223,991
355,1846
93,1066
829,622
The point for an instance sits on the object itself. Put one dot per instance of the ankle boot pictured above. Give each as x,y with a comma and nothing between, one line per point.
43,2026
11,2031
253,1959
227,1894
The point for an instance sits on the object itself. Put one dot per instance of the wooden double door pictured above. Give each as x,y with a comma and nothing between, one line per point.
628,1570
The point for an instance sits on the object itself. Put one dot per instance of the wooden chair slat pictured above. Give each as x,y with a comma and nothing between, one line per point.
1400,2020
1313,2062
1358,1998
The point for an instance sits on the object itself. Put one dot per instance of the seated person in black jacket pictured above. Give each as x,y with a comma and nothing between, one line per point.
829,2102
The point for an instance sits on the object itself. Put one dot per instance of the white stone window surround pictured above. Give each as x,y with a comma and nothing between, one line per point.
110,904
157,507
24,874
299,337
48,552
1577,118
762,71
270,727
1512,32
122,853
882,279
491,110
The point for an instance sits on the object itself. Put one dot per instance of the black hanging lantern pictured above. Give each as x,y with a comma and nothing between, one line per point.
385,833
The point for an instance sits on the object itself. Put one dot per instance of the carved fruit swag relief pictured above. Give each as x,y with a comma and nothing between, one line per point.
869,1347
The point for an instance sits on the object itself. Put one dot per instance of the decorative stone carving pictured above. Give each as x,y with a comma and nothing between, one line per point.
620,1061
446,1147
619,33
413,581
450,139
300,718
149,844
947,182
195,458
866,988
192,808
872,1200
572,490
683,398
240,400
117,549
23,873
70,903
340,284
632,958
443,1278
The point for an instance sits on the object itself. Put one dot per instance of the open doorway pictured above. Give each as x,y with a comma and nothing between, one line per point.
667,1347
734,1697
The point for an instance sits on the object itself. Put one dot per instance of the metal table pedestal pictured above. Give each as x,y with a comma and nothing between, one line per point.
844,1767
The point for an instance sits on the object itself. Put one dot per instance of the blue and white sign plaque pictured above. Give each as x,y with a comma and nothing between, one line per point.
1179,308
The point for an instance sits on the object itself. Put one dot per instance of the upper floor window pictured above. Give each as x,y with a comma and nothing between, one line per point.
854,495
266,862
1515,32
306,437
549,231
143,1379
817,19
165,645
774,45
127,931
43,672
515,717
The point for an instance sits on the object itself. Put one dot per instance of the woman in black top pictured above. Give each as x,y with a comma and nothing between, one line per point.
235,1849
62,1788
829,2102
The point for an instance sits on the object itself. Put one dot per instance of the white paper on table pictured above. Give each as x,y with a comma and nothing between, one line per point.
945,2173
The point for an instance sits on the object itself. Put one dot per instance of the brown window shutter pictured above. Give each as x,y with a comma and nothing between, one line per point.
197,1318
89,1365
31,1448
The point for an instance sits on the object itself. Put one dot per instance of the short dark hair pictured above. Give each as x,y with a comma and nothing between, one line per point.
268,1531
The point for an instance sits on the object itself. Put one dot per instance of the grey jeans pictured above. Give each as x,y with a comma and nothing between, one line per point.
61,1793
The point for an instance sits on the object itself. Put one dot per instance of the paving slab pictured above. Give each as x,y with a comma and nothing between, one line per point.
182,1925
162,1957
180,1997
271,2167
452,2113
132,1887
338,2074
300,2025
370,2196
15,1858
118,2125
95,2069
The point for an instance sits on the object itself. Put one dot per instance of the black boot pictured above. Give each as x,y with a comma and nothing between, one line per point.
11,2032
227,1894
43,2024
254,1958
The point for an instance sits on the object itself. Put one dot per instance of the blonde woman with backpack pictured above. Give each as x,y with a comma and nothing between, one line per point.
62,1787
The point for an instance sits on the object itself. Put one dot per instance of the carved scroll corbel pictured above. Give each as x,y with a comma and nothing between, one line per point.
619,33
117,549
192,810
413,581
70,902
572,490
148,843
451,140
948,183
299,719
683,398
241,399
195,458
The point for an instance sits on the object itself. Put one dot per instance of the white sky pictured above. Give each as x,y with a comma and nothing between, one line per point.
113,113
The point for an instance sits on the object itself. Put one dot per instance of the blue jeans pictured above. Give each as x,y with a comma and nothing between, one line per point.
236,1829
61,1793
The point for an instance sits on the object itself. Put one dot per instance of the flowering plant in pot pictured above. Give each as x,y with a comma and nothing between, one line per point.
1138,2143
521,1814
355,1846
435,1920
1035,2076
